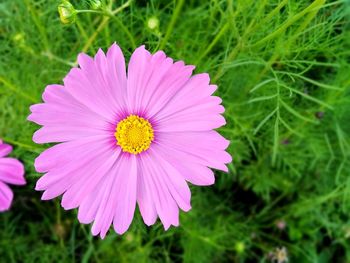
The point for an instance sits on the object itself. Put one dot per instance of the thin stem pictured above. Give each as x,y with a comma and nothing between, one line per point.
213,43
15,89
32,148
105,20
90,11
172,24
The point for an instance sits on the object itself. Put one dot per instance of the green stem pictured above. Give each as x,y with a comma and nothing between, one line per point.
172,24
311,8
32,148
15,89
109,15
213,43
90,11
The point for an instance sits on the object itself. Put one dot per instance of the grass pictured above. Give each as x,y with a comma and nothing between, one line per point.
283,71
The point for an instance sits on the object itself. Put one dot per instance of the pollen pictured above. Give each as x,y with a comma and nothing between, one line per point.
134,134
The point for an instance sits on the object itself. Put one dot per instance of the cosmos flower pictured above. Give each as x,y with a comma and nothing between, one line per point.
127,138
11,172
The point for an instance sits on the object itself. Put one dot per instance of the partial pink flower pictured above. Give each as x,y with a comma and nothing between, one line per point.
11,172
127,138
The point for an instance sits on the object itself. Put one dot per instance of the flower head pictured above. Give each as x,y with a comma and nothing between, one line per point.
95,4
67,12
153,23
11,172
279,255
127,138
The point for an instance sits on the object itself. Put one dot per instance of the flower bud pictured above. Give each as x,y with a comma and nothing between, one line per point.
153,23
240,247
95,4
67,12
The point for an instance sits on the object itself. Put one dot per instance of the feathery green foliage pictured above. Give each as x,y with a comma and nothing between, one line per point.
283,70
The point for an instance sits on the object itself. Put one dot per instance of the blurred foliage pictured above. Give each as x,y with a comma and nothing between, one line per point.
283,70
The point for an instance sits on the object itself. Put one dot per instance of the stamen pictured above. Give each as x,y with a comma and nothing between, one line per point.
134,134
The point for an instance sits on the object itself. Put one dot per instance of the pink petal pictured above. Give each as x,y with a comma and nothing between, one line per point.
144,197
210,140
5,149
82,85
117,72
207,150
104,211
195,173
65,174
192,108
11,171
90,177
126,193
158,67
194,91
165,204
171,83
48,134
57,115
193,153
207,106
137,70
174,180
6,197
153,80
57,156
195,122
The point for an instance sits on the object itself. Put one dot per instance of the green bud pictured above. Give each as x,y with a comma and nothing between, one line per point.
239,247
67,12
95,4
153,23
19,39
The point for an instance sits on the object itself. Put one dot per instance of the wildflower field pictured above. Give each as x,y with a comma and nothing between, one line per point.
281,110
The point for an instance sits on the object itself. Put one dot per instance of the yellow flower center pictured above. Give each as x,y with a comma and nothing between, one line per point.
134,134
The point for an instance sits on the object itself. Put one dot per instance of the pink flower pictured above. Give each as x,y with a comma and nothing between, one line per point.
128,138
11,172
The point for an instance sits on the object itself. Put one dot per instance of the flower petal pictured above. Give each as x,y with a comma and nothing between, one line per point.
57,156
102,212
81,83
174,181
6,197
5,149
165,204
187,148
192,108
63,176
153,80
126,195
89,178
144,196
11,171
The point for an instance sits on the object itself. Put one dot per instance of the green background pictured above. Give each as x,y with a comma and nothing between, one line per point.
283,71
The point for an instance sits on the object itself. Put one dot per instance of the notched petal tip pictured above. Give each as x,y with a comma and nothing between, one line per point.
99,54
37,137
83,59
38,187
45,196
228,158
30,117
140,51
166,226
225,169
97,229
186,208
113,49
120,230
